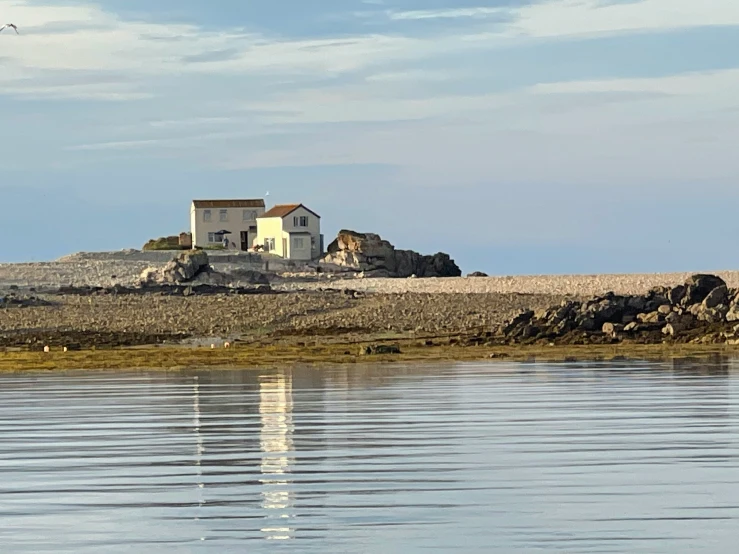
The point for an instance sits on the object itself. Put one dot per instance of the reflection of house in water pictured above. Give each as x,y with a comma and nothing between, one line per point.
199,449
276,440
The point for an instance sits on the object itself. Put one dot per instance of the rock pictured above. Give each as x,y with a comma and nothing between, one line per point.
719,295
477,274
368,252
529,332
210,277
671,329
637,303
611,329
733,313
681,320
353,293
644,318
249,276
652,317
709,315
517,321
181,269
378,349
377,273
676,294
699,286
22,302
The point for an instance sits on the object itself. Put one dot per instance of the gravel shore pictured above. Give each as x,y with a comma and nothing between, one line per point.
88,270
112,320
558,285
436,306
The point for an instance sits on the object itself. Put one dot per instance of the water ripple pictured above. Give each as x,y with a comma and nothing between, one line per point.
575,457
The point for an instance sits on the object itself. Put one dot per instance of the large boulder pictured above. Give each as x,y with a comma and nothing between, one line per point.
182,269
699,286
369,253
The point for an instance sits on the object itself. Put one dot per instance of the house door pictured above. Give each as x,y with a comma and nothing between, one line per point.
284,248
245,240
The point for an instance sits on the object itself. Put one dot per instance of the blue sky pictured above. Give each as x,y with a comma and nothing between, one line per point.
521,137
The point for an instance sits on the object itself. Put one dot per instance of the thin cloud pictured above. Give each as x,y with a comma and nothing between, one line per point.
724,82
569,18
455,13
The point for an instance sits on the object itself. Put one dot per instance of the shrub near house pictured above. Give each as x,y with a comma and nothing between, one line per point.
164,243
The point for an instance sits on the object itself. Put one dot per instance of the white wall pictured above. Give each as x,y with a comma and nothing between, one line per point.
280,228
313,227
271,228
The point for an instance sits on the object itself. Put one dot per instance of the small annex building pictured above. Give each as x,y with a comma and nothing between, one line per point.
290,231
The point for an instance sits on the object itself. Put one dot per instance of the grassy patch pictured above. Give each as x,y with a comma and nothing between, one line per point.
163,243
286,355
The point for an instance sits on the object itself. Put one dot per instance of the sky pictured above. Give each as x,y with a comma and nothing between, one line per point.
549,136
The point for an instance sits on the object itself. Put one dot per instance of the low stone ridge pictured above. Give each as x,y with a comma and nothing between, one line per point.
248,276
165,290
369,253
477,274
16,301
703,310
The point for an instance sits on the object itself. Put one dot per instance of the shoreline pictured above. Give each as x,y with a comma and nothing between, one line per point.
179,357
294,318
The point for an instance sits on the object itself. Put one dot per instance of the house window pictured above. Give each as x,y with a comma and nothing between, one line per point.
212,237
301,221
269,244
313,243
206,215
249,215
298,243
223,215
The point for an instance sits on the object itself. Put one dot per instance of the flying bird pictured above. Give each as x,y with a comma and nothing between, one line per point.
11,25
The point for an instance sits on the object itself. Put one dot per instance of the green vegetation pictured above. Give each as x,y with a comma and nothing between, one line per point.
164,243
290,353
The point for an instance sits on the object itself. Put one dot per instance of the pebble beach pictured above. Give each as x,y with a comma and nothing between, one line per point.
104,269
307,306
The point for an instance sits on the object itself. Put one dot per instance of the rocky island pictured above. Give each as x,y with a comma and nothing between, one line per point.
365,298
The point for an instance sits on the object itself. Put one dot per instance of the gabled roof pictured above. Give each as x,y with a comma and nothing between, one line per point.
244,203
283,210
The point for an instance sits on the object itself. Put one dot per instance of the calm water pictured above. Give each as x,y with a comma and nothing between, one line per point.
469,458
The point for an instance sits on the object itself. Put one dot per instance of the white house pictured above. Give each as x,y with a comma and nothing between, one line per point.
291,231
209,218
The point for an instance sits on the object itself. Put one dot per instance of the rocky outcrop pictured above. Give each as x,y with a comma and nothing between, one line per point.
703,310
369,253
20,301
477,274
182,269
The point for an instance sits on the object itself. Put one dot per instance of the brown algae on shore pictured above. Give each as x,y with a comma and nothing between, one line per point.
291,355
